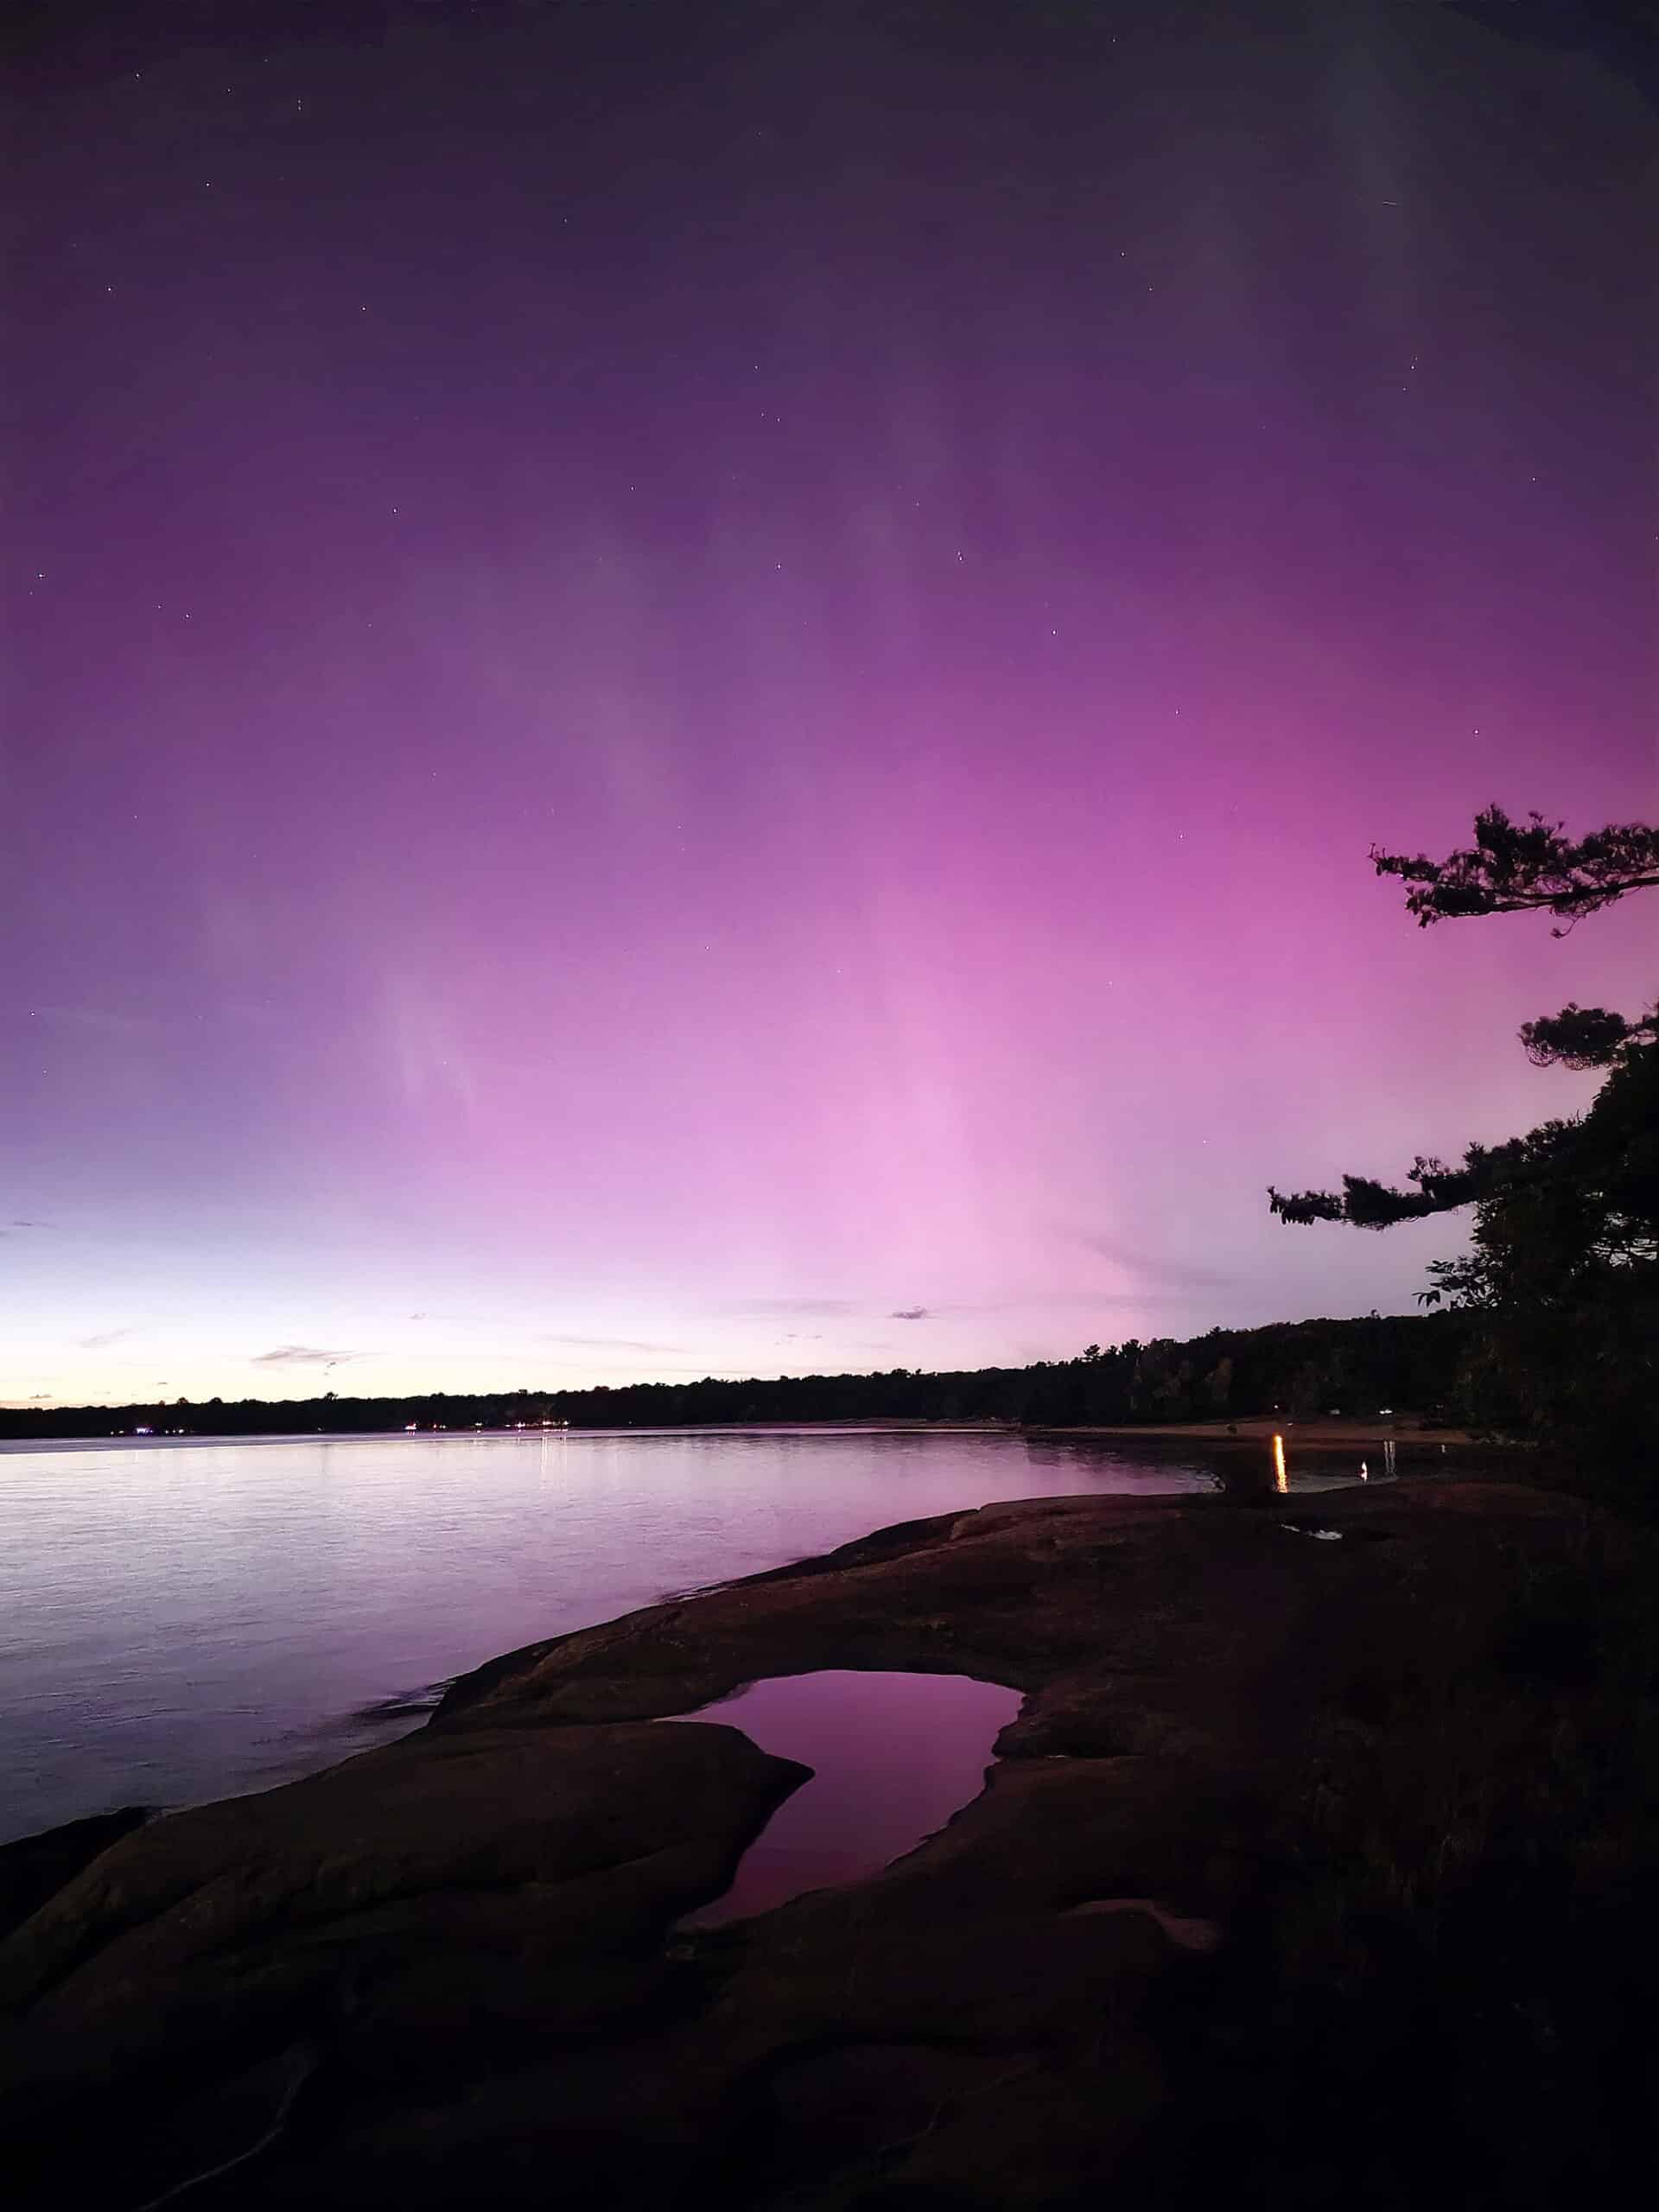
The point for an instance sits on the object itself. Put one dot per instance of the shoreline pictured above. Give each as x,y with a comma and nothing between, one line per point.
1325,1431
473,1939
1254,1429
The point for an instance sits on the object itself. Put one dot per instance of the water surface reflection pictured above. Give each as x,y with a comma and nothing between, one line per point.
181,1620
894,1757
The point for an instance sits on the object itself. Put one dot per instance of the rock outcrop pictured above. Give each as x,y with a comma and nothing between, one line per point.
448,1973
36,1867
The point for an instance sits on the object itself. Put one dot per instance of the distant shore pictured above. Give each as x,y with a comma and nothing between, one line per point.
1325,1431
1261,1428
1401,1362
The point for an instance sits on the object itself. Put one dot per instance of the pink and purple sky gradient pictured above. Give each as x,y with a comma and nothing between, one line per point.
713,701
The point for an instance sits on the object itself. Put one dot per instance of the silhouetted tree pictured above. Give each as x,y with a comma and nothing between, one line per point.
1565,1265
1512,866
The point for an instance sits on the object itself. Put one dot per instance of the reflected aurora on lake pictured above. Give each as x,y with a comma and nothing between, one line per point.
893,1756
184,1621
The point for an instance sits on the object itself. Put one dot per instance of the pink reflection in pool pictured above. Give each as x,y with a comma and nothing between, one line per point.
894,1757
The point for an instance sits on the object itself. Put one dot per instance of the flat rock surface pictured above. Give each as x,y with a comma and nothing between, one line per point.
448,1972
35,1867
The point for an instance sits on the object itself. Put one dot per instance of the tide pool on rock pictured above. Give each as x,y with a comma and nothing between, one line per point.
893,1756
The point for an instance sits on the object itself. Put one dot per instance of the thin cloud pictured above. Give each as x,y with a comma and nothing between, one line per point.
425,1045
611,1344
105,1337
103,1021
301,1356
628,1377
824,1309
1171,1273
910,1313
1066,1301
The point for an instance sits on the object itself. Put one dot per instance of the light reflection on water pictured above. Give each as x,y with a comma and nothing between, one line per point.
180,1621
894,1757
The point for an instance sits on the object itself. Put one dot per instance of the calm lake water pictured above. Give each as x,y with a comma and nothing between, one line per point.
185,1621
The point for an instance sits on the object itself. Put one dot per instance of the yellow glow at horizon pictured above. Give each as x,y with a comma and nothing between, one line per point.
1280,1480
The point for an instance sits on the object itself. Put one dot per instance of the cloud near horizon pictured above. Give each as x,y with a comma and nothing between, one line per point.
910,1314
301,1356
1171,1273
105,1338
824,1309
610,1344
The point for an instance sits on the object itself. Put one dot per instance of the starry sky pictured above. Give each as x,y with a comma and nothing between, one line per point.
702,689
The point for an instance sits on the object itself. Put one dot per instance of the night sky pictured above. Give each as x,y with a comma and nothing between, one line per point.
703,690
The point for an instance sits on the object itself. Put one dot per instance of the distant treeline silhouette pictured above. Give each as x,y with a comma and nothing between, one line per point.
1406,1361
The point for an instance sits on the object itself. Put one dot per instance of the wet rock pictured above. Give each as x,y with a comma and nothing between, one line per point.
35,1867
417,1910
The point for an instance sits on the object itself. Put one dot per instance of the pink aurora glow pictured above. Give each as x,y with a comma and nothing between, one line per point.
669,710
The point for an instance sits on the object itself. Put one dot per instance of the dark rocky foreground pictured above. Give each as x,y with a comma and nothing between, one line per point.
1311,1871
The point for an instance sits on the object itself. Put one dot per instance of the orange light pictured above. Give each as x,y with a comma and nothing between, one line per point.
1280,1479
